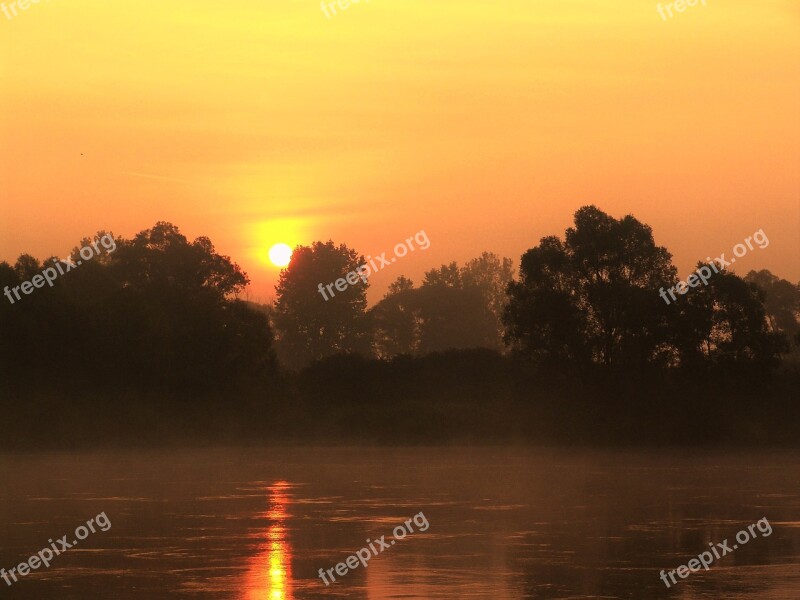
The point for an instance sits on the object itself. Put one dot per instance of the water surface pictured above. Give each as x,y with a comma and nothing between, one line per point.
503,523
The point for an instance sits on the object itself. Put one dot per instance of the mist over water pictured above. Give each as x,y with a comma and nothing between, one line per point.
504,523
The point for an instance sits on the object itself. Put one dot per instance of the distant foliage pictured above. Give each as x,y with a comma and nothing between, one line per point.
455,308
782,305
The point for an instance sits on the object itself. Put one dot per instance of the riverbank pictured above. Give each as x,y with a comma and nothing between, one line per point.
459,397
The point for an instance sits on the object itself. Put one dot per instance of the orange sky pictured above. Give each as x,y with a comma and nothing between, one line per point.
484,123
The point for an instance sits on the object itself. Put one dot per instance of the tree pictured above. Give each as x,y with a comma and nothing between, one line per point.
452,318
162,256
395,320
490,275
447,276
156,312
544,317
724,323
781,301
455,308
309,326
592,298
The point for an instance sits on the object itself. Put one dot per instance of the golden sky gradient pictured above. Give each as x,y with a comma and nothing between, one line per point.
487,124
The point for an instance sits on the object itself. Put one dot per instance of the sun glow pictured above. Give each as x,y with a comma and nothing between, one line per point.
272,241
280,255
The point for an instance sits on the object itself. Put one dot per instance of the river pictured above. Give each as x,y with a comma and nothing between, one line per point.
497,523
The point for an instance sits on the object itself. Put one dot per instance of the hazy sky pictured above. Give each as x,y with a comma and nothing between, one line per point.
485,123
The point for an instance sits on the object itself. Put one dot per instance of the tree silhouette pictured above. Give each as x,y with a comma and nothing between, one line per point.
162,256
781,303
150,343
593,297
157,312
309,327
490,275
724,323
395,320
448,275
455,308
452,318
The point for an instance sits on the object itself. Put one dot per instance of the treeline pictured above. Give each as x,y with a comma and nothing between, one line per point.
149,344
154,315
454,308
593,298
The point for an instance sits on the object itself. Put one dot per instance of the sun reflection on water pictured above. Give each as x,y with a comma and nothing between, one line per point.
270,575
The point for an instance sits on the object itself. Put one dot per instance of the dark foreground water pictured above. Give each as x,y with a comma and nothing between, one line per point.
502,523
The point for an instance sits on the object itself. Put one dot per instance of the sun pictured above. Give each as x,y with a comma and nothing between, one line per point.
280,255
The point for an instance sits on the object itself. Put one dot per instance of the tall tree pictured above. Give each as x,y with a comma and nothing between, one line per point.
545,319
781,301
593,297
311,325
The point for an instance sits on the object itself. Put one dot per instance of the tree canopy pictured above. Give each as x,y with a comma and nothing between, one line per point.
156,312
592,299
310,325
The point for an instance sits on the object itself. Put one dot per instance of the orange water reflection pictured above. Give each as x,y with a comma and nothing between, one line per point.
270,575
